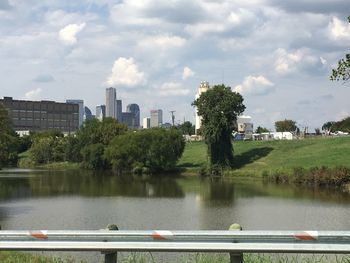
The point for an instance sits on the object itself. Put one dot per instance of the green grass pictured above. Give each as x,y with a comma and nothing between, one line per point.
256,157
19,257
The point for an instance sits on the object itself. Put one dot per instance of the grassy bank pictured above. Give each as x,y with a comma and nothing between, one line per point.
18,257
268,157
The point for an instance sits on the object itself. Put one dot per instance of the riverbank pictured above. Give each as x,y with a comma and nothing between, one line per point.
258,158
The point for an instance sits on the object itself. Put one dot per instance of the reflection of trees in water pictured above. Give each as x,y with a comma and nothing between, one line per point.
218,191
87,183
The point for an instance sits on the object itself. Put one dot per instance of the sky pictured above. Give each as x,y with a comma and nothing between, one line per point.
277,54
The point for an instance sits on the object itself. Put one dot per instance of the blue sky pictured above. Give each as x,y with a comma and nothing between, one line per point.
278,54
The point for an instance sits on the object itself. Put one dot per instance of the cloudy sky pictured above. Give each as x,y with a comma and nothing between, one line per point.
277,54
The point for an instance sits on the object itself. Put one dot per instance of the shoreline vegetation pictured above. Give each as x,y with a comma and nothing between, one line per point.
312,162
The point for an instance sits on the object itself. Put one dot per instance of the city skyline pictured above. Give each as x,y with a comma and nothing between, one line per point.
278,55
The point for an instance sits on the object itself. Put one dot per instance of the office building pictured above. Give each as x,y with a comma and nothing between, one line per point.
111,103
134,108
156,118
87,114
81,109
203,87
119,110
42,115
128,118
100,112
146,123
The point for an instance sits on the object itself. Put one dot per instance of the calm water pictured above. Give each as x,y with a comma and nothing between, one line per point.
84,200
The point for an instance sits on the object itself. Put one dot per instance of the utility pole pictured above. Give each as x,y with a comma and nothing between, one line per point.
173,116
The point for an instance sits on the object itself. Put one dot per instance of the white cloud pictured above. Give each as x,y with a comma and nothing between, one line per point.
187,73
68,34
33,94
339,30
287,62
126,72
258,85
172,89
163,42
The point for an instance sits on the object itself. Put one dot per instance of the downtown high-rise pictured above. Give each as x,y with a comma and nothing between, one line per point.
111,103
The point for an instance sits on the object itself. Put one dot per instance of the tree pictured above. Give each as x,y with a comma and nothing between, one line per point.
9,142
342,72
261,129
219,108
327,126
286,126
152,149
187,128
343,125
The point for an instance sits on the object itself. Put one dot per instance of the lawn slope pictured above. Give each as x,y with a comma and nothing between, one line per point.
256,157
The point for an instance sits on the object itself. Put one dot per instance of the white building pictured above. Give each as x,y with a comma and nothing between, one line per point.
111,103
81,109
203,87
156,118
146,123
100,112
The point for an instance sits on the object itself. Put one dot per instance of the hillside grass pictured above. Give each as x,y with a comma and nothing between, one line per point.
258,157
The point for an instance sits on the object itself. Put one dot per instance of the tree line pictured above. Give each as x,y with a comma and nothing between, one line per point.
105,144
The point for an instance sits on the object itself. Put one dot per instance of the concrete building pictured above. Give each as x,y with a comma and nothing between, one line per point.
134,108
100,112
111,103
81,109
146,123
119,110
156,118
42,115
203,87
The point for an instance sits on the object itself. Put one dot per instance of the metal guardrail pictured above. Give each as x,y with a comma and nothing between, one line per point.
234,242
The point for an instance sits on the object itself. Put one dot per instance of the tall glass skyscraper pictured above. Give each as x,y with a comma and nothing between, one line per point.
134,108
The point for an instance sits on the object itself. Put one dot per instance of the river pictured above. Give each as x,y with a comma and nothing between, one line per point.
83,200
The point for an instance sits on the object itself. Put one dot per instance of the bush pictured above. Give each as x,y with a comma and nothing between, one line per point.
93,156
154,149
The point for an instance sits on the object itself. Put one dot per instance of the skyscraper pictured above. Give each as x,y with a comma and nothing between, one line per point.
81,109
87,114
100,112
156,118
134,108
111,103
119,110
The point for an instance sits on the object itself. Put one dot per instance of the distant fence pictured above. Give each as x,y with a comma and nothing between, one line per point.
234,242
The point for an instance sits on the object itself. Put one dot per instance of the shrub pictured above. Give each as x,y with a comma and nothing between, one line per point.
154,149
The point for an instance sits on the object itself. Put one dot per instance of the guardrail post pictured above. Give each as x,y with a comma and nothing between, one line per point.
111,257
236,258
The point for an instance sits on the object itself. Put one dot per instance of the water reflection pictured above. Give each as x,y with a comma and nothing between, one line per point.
218,191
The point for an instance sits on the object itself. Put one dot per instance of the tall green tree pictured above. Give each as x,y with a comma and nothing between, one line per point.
286,126
219,108
9,142
342,72
187,128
